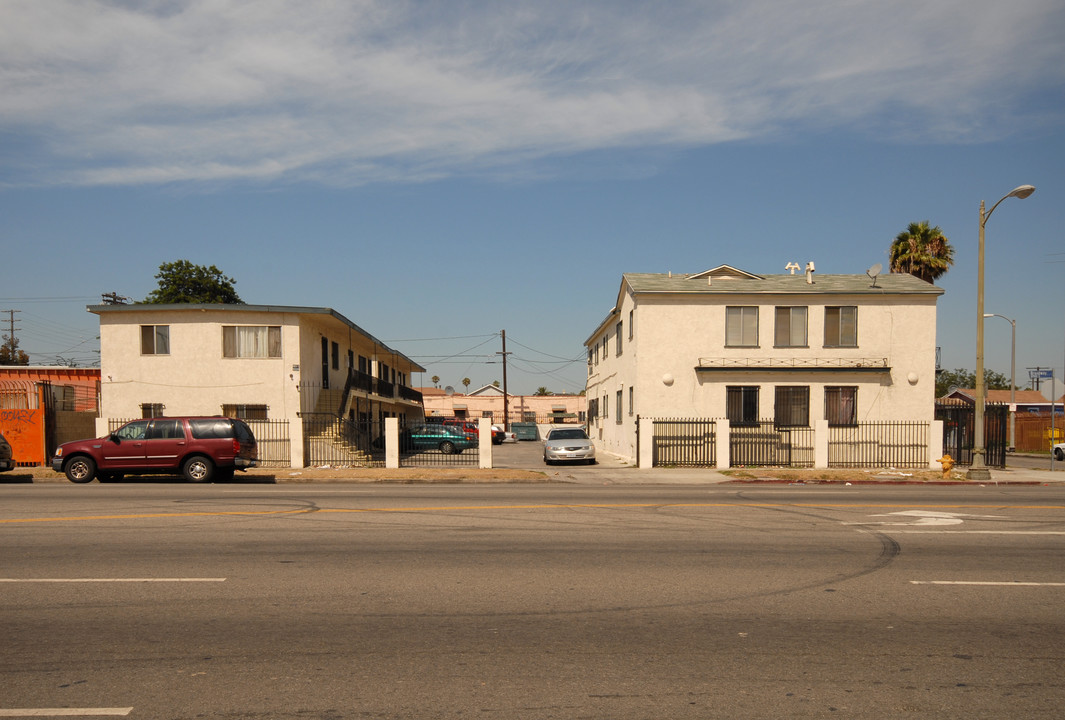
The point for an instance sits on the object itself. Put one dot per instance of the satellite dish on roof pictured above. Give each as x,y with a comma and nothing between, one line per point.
449,390
873,272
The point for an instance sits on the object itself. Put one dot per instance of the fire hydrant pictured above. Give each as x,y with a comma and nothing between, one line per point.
948,465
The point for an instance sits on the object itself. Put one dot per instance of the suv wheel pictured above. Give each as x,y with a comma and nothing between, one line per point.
80,469
198,469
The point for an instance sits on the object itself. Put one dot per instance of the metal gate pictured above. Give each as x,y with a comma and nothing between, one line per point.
684,443
958,432
766,444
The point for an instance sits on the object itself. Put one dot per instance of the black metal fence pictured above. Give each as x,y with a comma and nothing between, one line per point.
765,444
684,442
959,432
332,441
273,441
438,454
879,445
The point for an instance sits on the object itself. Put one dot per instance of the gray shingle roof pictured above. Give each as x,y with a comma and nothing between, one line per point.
892,284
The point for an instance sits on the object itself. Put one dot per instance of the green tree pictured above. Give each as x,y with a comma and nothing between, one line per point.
542,391
10,353
966,380
436,380
921,251
182,282
466,383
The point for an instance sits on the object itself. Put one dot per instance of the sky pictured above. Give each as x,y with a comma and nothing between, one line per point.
439,172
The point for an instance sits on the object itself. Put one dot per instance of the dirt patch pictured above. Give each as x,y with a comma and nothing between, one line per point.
806,475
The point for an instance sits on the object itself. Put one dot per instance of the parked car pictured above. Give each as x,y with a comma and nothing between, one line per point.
498,435
469,429
7,459
568,444
201,448
1059,451
446,438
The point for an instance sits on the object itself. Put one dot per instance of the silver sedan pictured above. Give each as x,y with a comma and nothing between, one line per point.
568,444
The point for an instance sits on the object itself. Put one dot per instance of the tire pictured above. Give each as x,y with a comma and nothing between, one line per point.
1059,454
80,469
447,447
548,462
198,469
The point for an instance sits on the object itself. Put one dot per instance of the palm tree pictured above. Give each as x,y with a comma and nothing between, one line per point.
466,384
436,380
921,251
542,391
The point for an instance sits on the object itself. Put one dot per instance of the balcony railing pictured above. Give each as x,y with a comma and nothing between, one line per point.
794,363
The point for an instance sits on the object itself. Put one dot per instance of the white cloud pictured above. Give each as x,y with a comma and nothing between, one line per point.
128,93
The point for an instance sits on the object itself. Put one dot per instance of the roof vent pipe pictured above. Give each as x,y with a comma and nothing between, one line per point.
810,273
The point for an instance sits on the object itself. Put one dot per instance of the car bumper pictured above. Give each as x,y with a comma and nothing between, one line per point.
565,454
245,463
57,464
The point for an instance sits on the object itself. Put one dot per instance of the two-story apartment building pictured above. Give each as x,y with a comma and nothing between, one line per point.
792,348
257,362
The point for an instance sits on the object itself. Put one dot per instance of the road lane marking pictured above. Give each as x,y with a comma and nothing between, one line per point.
1008,583
64,712
109,580
981,532
536,506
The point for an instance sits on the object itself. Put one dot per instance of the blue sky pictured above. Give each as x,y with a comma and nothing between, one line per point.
440,171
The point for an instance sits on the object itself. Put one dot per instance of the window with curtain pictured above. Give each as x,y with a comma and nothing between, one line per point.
790,327
251,341
792,408
741,326
841,405
841,326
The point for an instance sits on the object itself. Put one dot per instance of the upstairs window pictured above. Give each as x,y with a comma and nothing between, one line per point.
155,339
251,341
841,326
790,327
741,326
617,339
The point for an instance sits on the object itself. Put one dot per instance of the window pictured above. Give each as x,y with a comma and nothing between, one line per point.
155,339
741,326
617,339
791,327
741,405
617,409
150,410
630,323
166,430
606,406
251,341
841,405
335,355
245,412
792,408
133,431
841,326
631,399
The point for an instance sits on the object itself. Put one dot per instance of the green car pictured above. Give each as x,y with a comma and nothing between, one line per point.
435,436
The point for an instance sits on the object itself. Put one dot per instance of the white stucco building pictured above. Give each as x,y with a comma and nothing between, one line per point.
252,361
799,349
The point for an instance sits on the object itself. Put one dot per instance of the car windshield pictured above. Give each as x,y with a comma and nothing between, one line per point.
574,434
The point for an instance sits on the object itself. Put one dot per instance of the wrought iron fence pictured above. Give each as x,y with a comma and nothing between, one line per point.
959,432
682,442
338,442
879,445
274,442
443,452
765,444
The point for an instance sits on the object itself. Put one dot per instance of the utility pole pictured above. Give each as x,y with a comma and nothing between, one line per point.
506,397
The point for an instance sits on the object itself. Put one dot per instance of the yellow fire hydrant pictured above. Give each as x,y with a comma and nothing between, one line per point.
948,464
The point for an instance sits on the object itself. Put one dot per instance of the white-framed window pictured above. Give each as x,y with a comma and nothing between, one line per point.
632,400
617,339
251,341
155,339
790,327
841,326
741,326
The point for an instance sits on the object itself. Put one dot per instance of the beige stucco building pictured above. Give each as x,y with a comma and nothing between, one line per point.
252,361
799,349
488,402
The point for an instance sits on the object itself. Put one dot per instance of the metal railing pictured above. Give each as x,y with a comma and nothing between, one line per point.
879,445
332,441
684,442
764,444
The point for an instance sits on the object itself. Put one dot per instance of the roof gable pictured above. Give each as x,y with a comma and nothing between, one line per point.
725,271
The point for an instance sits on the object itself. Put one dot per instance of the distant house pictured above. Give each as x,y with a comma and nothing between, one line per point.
487,402
258,362
1027,401
795,350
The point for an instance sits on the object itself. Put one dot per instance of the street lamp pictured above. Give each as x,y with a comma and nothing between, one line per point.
978,470
1013,371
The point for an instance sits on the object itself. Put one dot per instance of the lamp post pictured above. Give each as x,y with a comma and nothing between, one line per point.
978,469
1013,372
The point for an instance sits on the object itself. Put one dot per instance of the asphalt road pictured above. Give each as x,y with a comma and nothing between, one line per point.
543,601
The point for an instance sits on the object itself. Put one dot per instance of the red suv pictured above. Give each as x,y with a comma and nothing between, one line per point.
201,448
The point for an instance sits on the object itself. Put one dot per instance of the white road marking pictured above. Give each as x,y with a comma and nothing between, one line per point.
929,517
64,712
109,580
986,583
982,532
